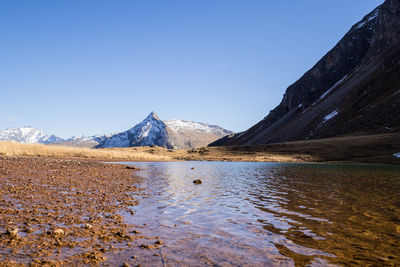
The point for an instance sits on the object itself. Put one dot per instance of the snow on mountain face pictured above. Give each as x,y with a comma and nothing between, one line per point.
169,134
117,140
180,125
28,135
151,131
370,17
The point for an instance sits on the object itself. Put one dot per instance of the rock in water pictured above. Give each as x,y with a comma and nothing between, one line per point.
131,167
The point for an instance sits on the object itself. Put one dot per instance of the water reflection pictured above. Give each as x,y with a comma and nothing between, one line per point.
259,214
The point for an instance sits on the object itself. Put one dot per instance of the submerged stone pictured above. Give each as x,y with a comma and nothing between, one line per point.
197,181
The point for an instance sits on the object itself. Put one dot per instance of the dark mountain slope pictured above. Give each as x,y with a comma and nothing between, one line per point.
353,89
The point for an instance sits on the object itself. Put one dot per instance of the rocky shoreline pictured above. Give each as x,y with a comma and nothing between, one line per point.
58,212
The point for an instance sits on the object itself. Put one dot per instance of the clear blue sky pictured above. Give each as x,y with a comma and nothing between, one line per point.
93,67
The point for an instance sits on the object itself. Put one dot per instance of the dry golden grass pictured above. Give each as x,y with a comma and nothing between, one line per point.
361,149
39,150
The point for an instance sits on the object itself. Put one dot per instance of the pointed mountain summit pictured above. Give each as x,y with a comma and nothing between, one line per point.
168,134
151,131
352,90
152,116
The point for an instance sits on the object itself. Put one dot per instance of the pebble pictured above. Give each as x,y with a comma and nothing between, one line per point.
58,231
146,246
12,232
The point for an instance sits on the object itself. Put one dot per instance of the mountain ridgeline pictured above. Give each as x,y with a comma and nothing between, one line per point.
177,134
353,90
168,134
28,134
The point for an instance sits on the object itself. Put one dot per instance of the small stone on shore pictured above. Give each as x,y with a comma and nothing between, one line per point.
58,231
146,246
12,232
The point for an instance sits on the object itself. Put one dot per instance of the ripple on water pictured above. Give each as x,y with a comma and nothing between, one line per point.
265,213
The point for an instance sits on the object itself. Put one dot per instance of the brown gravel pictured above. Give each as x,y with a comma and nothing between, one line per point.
64,212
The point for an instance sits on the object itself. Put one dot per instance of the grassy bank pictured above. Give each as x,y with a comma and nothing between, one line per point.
54,151
353,149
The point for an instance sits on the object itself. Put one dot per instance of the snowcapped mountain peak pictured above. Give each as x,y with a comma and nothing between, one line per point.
151,131
28,134
170,134
151,121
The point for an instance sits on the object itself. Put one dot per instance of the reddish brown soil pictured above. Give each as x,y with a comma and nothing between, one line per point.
65,212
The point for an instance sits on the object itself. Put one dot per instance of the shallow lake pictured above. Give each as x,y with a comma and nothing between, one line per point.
258,214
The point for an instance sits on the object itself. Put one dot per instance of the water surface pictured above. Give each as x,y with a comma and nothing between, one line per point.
257,214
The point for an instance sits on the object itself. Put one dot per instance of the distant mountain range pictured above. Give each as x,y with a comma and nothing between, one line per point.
28,135
151,131
353,90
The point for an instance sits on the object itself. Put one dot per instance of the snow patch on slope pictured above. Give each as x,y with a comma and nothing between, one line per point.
330,116
333,87
117,140
373,16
